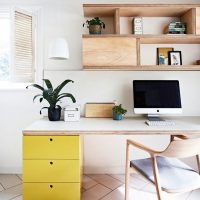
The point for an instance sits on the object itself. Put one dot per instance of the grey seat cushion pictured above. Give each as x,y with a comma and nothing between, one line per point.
174,174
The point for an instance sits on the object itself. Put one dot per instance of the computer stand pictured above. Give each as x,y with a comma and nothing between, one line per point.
154,118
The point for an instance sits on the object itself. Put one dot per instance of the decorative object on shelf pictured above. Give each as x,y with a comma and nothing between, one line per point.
176,28
53,97
118,112
98,109
175,58
162,55
137,25
58,49
95,25
72,113
198,62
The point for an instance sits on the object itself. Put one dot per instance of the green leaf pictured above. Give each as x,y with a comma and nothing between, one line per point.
36,96
42,109
49,96
36,86
48,84
67,95
60,87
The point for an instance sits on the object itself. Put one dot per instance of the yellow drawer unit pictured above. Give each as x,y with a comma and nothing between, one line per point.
51,167
51,147
51,191
51,171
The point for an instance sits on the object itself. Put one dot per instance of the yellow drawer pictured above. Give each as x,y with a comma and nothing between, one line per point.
51,191
51,147
51,171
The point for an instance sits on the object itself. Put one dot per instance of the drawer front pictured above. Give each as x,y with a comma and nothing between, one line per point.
51,171
51,191
51,147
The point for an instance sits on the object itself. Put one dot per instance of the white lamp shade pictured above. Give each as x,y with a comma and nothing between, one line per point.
59,49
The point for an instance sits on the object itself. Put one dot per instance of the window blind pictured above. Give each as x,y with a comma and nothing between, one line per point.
4,12
24,61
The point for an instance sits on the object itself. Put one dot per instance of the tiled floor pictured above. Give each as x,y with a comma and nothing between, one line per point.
96,187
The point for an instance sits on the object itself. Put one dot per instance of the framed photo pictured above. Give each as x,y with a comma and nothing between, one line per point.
175,58
162,55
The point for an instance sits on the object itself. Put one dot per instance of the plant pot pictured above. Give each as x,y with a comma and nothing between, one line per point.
54,114
117,116
95,29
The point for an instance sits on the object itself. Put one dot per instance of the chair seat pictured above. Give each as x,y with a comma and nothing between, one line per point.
174,174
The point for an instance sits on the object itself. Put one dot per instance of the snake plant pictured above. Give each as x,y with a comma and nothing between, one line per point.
51,95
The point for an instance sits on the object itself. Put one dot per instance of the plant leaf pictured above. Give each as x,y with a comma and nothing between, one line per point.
49,96
48,84
60,87
36,96
42,109
66,95
36,86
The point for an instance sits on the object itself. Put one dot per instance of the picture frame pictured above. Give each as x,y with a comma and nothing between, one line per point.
175,58
162,55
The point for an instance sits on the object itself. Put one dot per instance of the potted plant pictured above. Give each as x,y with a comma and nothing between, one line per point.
53,97
118,112
95,25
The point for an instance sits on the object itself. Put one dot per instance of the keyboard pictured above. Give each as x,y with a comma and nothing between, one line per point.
160,123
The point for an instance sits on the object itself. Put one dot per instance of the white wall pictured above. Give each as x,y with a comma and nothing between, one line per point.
64,18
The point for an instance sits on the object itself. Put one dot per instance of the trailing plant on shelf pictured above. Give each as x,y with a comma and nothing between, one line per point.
95,25
53,97
118,112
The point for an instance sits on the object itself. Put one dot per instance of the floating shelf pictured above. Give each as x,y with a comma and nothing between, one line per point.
123,51
146,68
133,10
156,39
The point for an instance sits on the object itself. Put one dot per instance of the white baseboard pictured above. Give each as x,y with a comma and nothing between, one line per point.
104,170
10,170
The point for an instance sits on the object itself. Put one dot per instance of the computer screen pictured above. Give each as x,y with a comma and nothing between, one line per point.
156,96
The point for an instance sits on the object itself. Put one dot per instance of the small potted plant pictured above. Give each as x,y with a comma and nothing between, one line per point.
118,112
53,97
95,25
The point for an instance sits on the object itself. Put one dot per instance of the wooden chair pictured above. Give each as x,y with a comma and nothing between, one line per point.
163,169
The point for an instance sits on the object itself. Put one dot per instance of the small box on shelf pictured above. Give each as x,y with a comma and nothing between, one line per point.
137,25
72,113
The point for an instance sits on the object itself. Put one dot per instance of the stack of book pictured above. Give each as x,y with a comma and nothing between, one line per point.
137,25
176,28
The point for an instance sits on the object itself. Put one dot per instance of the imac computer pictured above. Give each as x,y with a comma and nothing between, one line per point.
156,97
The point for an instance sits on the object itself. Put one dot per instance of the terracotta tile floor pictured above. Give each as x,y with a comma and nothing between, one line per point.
96,187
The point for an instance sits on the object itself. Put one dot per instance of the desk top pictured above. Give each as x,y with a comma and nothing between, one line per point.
108,126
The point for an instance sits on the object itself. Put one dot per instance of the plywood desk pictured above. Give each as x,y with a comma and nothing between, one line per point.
51,151
107,126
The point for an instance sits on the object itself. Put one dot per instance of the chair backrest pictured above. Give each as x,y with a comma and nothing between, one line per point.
182,148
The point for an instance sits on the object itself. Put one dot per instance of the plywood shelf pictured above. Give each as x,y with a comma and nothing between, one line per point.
117,52
156,39
132,10
146,68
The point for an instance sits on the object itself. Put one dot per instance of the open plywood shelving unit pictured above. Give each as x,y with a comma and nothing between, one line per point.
117,51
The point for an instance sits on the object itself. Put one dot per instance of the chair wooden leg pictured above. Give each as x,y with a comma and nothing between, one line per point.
127,173
198,162
156,177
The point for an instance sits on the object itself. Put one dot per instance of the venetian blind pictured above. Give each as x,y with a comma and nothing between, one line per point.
4,12
24,62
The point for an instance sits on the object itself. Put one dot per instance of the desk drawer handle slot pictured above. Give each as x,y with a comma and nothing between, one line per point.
51,139
51,186
51,163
